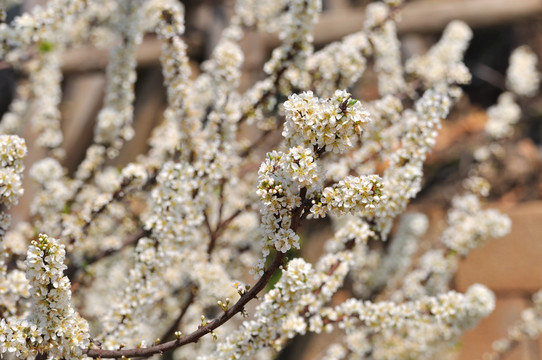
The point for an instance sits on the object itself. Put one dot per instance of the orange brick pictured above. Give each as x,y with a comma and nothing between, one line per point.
511,263
477,341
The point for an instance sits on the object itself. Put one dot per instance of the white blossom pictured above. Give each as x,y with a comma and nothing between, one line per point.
502,117
522,78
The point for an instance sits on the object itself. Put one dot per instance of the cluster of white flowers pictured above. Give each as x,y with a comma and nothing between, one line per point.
293,22
53,327
332,124
288,181
46,88
175,213
502,116
443,61
386,48
45,24
135,175
412,329
280,198
48,203
339,64
528,327
352,195
449,314
522,78
113,121
12,153
277,318
294,27
469,226
402,179
301,166
12,121
176,72
392,268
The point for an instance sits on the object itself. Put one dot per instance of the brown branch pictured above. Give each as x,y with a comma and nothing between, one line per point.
118,195
41,356
214,237
238,307
256,143
215,234
170,333
348,247
72,270
272,91
212,234
203,330
221,200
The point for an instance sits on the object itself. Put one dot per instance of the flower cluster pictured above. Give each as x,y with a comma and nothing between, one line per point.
280,198
456,311
386,47
528,327
277,317
54,328
12,153
502,116
470,226
352,195
169,19
301,166
522,77
392,268
443,61
47,93
340,64
401,331
332,124
288,181
402,179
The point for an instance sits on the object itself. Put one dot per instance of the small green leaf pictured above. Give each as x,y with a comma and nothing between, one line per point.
45,47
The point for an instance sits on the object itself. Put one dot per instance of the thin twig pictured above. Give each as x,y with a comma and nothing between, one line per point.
203,330
169,333
238,307
72,270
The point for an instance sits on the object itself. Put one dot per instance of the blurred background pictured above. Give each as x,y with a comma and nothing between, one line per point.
511,266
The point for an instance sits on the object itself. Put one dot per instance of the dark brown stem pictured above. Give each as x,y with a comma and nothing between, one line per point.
221,201
272,91
170,333
212,234
72,270
203,330
118,195
41,356
256,143
238,307
349,246
215,234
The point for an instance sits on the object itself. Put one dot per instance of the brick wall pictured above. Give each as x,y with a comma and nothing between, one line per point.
512,268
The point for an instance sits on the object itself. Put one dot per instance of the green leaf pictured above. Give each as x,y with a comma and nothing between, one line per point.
45,47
